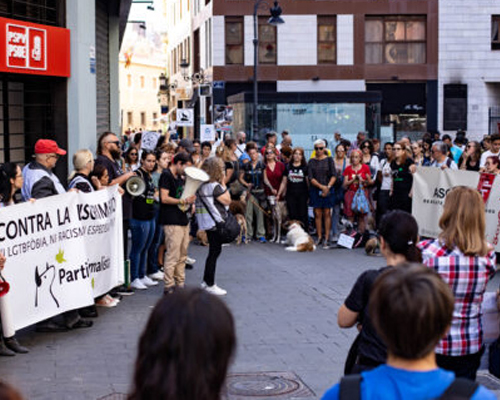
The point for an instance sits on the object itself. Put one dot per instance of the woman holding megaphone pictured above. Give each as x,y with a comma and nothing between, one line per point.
143,222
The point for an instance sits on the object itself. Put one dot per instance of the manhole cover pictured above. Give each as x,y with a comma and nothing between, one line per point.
487,380
266,384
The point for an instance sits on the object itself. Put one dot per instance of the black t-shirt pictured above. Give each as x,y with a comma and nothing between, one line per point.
255,176
143,206
402,178
234,165
171,214
297,180
370,344
114,171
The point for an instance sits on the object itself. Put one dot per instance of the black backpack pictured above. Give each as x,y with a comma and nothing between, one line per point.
460,389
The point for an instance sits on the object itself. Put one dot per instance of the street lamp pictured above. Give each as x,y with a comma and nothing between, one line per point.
274,20
197,77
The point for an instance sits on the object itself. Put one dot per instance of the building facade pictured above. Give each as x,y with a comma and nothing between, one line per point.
469,77
59,74
324,66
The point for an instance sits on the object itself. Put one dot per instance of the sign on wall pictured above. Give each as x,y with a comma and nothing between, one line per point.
185,117
27,48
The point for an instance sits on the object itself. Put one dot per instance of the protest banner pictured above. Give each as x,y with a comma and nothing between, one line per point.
149,140
207,133
61,252
430,187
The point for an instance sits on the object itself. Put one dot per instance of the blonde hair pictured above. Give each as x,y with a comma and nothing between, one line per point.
214,167
80,160
463,222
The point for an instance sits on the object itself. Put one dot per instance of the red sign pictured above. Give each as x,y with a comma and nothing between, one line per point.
27,48
485,185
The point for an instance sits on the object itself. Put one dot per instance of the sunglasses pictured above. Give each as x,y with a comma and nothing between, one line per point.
269,152
133,154
116,142
319,148
366,146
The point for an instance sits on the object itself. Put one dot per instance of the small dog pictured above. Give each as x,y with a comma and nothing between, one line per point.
298,238
243,229
279,214
372,244
202,238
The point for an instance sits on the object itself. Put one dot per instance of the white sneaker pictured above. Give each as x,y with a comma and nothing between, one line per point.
203,285
157,276
190,260
216,290
148,281
138,285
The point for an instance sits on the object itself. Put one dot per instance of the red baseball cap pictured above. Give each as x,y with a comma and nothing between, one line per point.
46,146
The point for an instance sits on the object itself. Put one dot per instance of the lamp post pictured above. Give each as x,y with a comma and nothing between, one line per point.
274,20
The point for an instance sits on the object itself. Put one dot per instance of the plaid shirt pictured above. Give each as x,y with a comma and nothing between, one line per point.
467,277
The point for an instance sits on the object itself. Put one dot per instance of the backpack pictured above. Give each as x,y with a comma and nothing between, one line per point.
460,389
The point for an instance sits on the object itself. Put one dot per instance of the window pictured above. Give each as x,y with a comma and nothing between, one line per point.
142,82
154,83
395,40
267,42
454,107
129,80
326,40
495,32
130,118
234,40
143,119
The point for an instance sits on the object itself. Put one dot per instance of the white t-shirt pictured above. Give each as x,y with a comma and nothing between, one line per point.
450,164
485,155
386,171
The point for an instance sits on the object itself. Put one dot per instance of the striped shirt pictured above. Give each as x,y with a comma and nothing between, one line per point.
467,277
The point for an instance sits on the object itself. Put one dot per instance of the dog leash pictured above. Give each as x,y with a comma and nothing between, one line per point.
251,198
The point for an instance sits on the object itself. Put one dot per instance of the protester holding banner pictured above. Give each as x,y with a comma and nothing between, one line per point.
492,165
440,157
466,262
175,221
470,158
11,180
83,162
41,182
402,179
398,239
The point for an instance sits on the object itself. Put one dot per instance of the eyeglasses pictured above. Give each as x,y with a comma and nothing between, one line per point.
366,146
133,154
319,148
117,142
56,156
269,153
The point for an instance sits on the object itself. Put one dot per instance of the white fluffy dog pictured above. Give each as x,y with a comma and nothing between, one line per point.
298,239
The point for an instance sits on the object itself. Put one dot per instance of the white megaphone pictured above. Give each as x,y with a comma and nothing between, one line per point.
135,186
194,178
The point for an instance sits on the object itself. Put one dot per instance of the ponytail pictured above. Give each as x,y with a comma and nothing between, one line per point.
400,232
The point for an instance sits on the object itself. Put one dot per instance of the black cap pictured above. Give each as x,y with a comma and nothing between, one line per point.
187,144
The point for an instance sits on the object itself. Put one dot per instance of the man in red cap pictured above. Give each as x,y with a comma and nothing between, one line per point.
40,182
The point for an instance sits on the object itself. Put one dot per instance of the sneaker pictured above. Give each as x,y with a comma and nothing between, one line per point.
203,285
190,261
157,276
148,281
335,238
262,239
215,290
138,285
106,301
318,242
326,245
123,290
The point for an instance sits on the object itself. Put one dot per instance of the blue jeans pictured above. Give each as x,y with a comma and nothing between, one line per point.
142,236
158,238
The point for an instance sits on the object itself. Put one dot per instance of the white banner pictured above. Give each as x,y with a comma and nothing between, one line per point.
430,186
61,252
207,133
185,117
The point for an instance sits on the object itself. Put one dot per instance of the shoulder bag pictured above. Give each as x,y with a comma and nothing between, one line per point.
228,229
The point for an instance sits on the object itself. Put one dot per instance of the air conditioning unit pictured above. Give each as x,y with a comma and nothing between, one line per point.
205,90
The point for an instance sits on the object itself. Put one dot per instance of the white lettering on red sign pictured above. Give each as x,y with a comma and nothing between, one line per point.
26,47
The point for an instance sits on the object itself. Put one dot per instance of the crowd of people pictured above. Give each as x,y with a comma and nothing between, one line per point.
442,280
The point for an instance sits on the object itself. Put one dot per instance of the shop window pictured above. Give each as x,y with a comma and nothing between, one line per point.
143,119
395,40
130,118
327,51
495,32
268,48
234,40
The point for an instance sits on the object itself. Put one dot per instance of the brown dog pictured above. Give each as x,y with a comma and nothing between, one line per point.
243,229
202,238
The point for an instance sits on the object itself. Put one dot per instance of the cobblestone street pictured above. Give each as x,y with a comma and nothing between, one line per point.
284,303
